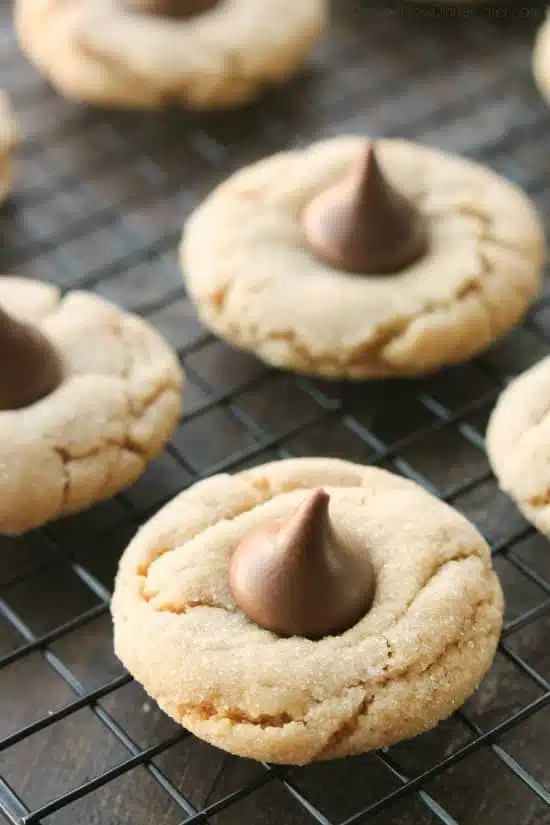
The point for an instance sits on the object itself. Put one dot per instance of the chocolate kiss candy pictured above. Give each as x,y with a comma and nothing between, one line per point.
30,368
364,225
293,578
181,9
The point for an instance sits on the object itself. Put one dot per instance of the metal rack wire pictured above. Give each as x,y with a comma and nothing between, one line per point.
99,204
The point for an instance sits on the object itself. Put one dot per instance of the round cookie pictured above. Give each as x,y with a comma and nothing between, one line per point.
103,52
257,283
117,402
8,141
518,443
541,59
415,656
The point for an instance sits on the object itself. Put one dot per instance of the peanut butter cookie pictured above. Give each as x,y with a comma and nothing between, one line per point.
147,53
403,651
88,395
341,263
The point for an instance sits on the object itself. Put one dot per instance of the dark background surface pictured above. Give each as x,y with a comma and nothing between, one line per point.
99,202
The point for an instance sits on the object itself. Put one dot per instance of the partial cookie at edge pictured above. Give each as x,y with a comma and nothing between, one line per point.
9,136
102,53
518,443
541,59
116,407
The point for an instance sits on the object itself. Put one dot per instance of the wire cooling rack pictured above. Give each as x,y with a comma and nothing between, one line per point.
99,203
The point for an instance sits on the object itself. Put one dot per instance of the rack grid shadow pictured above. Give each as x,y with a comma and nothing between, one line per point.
99,203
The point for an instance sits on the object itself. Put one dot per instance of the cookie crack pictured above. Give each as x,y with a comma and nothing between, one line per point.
457,558
390,650
539,500
119,69
123,443
458,643
208,710
156,554
374,351
137,411
163,387
64,459
347,727
180,610
67,459
371,352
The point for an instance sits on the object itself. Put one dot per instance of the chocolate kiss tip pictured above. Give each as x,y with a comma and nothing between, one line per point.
311,514
370,160
371,175
294,578
363,224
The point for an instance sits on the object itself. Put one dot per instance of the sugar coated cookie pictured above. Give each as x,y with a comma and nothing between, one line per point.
518,443
339,261
88,395
307,609
8,141
145,53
